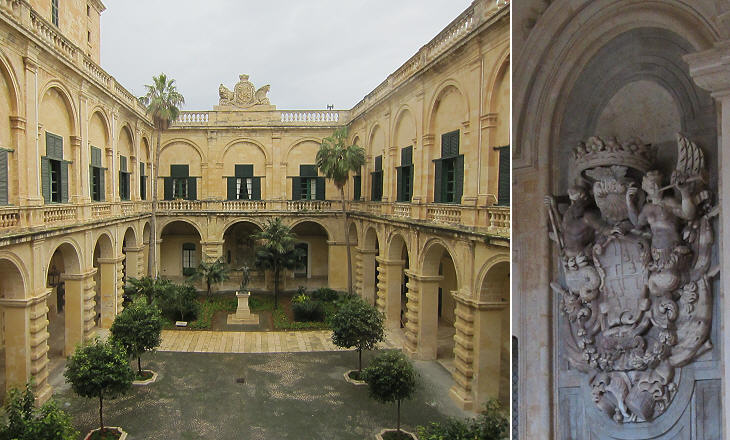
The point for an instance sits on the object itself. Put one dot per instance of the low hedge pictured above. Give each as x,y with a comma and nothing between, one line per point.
308,311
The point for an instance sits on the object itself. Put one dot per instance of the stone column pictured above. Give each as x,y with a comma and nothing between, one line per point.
212,250
79,309
710,69
336,265
111,289
135,261
423,313
389,281
366,278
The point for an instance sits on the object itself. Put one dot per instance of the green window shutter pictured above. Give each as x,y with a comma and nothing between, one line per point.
3,177
46,179
96,157
192,189
406,156
320,188
503,186
244,170
399,184
459,177
168,188
379,163
54,146
437,186
121,185
296,188
91,181
308,170
64,182
122,163
102,189
410,176
450,144
256,189
179,171
357,187
231,188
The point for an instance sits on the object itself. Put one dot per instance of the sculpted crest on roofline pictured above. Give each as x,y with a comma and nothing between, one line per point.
244,94
636,263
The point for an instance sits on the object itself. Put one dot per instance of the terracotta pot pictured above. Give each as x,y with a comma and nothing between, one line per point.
123,435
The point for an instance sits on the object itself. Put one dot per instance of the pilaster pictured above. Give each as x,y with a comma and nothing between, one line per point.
79,309
389,291
32,147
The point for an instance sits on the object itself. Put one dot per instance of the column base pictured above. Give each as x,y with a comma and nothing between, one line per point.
43,394
463,402
235,320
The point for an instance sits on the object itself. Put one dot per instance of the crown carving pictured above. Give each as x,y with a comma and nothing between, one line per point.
596,152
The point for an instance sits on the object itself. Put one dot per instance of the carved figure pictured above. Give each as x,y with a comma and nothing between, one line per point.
244,90
226,96
244,94
260,96
635,273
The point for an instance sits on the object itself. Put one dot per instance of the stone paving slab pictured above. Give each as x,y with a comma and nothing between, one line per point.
187,341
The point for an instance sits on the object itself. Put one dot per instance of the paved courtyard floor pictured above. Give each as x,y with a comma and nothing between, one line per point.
284,396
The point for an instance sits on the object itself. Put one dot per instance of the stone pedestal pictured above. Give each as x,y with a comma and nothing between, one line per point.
243,314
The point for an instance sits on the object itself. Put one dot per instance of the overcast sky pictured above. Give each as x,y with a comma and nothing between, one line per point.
312,53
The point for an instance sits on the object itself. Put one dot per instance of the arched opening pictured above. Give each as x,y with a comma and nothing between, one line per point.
8,165
180,250
65,305
130,264
11,287
238,251
356,259
396,284
369,253
495,288
312,237
105,283
58,168
445,177
437,317
146,232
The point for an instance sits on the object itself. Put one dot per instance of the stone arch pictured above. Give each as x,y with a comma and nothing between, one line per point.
238,250
376,136
146,232
323,225
404,120
180,248
67,99
369,249
130,236
394,245
67,302
313,237
254,142
12,287
104,260
103,116
126,131
370,238
352,234
71,253
8,74
13,277
301,141
192,223
106,244
307,155
430,258
232,222
145,258
177,147
444,90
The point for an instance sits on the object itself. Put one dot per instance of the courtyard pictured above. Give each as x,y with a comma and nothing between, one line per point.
259,396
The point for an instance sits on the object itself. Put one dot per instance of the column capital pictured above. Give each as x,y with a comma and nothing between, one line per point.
423,278
111,260
79,276
464,297
26,302
386,262
710,69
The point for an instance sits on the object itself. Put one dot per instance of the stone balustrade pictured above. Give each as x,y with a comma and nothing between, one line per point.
101,210
59,213
9,218
311,116
402,210
193,118
443,214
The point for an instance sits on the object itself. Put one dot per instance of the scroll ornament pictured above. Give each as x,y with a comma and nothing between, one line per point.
636,287
244,94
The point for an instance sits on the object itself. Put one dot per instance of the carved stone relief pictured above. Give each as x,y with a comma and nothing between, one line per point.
636,278
244,94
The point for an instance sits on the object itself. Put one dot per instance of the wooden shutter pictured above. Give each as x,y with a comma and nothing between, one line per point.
406,156
3,177
64,182
410,176
357,187
168,188
192,189
256,189
46,179
121,185
399,184
296,188
142,182
503,185
320,188
450,144
179,171
91,182
95,157
102,190
459,178
437,186
54,146
244,170
231,188
308,170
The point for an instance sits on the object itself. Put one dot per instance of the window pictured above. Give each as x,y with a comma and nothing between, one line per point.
449,171
376,189
308,186
96,175
4,176
404,175
88,36
142,183
180,185
503,185
54,12
188,263
356,187
124,179
302,269
244,185
54,171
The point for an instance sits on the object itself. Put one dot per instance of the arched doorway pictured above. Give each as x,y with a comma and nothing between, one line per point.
66,320
238,251
437,314
130,264
491,330
105,285
312,238
146,232
396,284
11,357
356,260
180,250
369,253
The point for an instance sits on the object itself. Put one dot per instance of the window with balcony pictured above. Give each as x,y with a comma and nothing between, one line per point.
54,12
96,176
180,185
307,185
376,177
124,179
503,185
404,175
188,259
142,183
244,185
54,171
449,171
4,176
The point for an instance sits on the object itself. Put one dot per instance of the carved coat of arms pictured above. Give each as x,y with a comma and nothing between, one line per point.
244,94
635,256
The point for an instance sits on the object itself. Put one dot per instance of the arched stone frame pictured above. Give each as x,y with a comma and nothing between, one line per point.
439,91
248,140
106,283
330,240
392,271
132,251
130,154
285,184
575,39
201,155
193,221
266,170
293,222
401,115
488,158
371,154
356,259
200,253
369,250
146,235
8,72
15,126
257,277
71,105
104,115
14,305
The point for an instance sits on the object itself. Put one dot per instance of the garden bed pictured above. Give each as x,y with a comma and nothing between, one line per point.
392,434
109,433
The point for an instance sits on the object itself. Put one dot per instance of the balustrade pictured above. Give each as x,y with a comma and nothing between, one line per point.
244,205
56,214
402,210
9,217
311,116
308,205
443,214
193,118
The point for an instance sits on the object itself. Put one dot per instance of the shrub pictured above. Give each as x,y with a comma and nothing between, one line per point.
357,324
138,329
180,302
492,424
391,378
308,311
300,298
99,370
23,421
325,294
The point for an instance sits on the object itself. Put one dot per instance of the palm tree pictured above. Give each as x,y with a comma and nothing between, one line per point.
213,273
336,159
162,101
277,251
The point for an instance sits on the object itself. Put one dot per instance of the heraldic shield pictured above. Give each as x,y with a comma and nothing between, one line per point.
635,266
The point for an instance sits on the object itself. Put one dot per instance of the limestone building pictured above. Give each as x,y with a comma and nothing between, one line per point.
618,293
429,213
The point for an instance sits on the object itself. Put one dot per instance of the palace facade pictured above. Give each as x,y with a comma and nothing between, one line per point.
428,214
